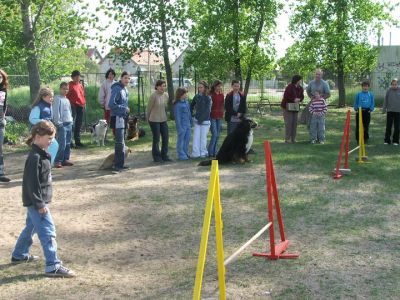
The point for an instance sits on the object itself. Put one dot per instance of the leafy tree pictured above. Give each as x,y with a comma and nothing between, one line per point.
227,35
333,34
45,34
157,25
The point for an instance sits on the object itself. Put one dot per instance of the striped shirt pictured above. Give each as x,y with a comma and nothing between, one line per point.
318,106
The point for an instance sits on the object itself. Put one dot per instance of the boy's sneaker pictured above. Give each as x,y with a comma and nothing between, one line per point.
29,258
386,143
61,271
312,141
395,144
321,142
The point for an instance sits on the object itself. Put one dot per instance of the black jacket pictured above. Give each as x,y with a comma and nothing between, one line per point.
229,112
201,108
36,183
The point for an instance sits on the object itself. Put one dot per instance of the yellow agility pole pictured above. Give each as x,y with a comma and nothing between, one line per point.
362,157
213,197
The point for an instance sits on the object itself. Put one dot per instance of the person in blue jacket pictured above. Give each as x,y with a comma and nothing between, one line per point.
365,100
183,122
118,105
42,111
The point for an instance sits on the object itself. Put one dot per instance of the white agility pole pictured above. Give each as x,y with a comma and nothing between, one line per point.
238,251
354,149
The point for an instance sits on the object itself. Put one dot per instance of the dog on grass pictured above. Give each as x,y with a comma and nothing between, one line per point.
134,132
108,162
236,145
99,131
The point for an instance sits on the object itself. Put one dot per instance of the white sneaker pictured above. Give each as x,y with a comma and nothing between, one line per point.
322,142
395,144
313,142
386,143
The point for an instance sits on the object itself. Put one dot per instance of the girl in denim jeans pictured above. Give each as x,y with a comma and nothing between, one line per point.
36,195
183,122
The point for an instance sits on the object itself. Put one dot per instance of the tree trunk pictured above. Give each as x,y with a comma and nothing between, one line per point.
30,47
341,16
254,52
236,51
168,70
340,66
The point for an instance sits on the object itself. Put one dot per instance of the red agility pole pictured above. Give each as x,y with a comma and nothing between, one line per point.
277,249
344,146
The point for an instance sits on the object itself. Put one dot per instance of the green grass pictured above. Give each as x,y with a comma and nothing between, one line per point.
345,230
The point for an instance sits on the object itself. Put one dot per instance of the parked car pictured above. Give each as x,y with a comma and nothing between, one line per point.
133,82
186,82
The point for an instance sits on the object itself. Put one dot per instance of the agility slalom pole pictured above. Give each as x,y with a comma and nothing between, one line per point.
277,249
213,201
344,146
362,157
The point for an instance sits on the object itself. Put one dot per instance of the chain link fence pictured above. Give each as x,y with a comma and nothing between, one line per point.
142,85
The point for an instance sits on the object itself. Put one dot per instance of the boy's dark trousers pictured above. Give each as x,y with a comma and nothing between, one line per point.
366,118
392,119
77,113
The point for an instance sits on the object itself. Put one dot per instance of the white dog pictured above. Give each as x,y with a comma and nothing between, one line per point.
99,132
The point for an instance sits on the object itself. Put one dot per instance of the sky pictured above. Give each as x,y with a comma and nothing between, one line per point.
390,34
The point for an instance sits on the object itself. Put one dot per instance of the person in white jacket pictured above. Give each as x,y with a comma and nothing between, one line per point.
105,94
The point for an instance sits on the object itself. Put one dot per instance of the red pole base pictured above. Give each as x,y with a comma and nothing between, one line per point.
279,250
338,176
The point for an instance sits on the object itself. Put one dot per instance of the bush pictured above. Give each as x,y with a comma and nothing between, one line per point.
331,84
15,132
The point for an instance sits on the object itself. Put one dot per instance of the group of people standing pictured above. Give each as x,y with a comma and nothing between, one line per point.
205,111
315,111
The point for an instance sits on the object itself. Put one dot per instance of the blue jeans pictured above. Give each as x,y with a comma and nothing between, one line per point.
64,142
119,148
317,128
182,144
43,225
216,127
159,128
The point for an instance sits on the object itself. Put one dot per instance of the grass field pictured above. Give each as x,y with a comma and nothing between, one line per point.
136,235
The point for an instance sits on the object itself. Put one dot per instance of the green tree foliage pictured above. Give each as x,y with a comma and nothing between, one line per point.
157,25
333,34
45,39
231,38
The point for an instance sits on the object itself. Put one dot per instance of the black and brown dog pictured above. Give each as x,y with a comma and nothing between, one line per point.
236,145
133,131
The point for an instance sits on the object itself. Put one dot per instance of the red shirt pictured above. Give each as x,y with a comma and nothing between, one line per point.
76,94
217,107
291,92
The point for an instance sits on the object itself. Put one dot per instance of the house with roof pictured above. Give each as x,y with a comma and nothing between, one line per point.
144,60
388,67
94,55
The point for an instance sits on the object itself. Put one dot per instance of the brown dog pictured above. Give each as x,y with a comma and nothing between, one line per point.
109,161
134,132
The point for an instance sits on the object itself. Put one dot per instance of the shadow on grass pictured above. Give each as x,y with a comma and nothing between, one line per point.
20,278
